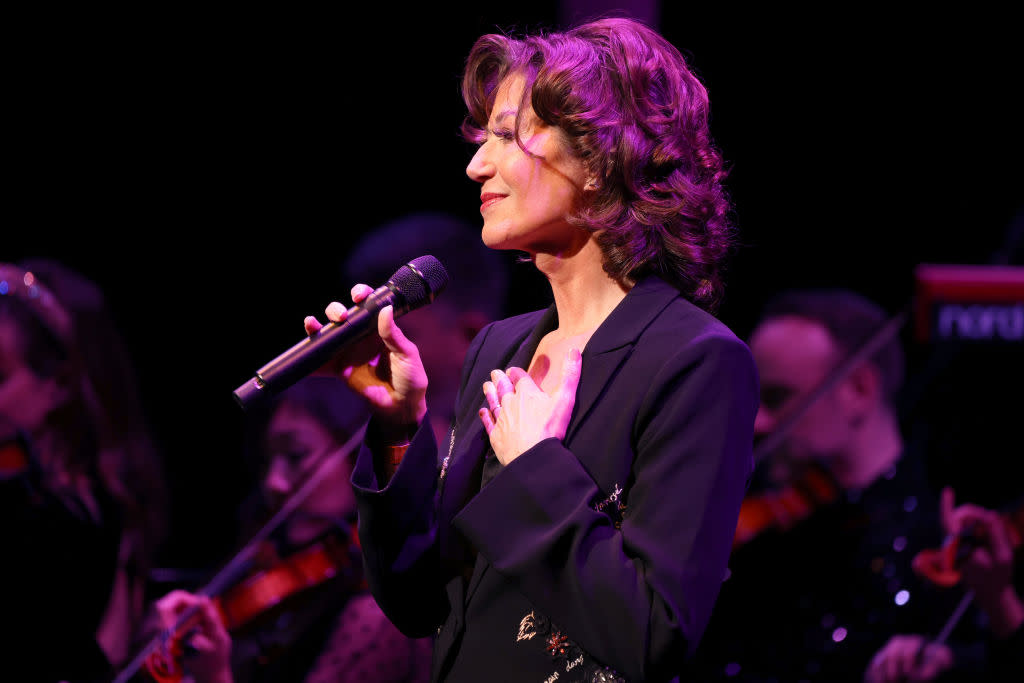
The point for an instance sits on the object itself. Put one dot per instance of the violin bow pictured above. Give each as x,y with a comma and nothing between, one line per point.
238,564
865,350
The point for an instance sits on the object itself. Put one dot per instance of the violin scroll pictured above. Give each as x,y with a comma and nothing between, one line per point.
943,565
195,627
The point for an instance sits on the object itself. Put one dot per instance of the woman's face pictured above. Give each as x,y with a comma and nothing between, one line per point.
295,443
25,399
526,197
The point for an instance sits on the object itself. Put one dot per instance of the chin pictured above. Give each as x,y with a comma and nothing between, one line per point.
497,238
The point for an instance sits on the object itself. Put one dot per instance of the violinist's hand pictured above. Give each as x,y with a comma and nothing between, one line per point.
521,415
385,368
206,641
908,658
988,570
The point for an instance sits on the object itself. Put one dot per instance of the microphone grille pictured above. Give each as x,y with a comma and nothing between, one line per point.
432,272
420,281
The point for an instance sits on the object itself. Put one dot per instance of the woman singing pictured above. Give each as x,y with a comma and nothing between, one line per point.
577,523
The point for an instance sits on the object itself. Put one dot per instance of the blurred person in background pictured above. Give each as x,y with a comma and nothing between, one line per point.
812,596
267,624
81,482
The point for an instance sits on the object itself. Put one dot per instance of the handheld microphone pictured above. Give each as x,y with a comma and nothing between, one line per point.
416,283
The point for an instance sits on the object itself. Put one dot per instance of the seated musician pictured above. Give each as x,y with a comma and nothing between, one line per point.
330,630
814,598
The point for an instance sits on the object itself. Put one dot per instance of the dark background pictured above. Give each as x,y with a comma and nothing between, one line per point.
210,168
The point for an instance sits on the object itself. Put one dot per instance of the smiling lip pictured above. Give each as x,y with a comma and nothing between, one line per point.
488,199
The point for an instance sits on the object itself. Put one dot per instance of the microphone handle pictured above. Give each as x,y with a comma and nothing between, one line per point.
316,349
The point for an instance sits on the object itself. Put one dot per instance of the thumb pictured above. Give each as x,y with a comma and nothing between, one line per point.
392,336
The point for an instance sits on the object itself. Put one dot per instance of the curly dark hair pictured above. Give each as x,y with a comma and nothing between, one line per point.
638,118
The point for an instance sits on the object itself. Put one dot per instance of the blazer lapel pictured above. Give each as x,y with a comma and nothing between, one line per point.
613,341
462,480
524,354
608,347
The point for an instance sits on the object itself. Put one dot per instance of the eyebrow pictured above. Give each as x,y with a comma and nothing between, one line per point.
504,115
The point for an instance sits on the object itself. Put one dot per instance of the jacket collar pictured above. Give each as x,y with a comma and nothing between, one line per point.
622,327
613,341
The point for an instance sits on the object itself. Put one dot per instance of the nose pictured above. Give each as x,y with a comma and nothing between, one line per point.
480,167
277,482
764,421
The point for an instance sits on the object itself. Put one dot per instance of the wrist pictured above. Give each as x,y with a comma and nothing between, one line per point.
388,441
387,434
406,424
398,427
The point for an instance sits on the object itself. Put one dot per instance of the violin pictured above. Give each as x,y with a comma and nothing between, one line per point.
277,585
13,460
942,565
15,454
781,509
264,593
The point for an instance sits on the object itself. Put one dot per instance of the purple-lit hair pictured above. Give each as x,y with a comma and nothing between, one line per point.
637,116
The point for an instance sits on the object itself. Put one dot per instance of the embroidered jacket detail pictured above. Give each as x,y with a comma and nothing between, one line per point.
527,630
566,655
614,506
447,458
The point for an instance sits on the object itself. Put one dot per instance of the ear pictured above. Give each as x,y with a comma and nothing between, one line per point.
863,387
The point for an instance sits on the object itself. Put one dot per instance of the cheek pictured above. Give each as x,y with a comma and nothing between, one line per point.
564,192
534,176
333,495
522,178
25,400
823,424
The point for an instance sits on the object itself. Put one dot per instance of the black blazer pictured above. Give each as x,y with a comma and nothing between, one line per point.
619,535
